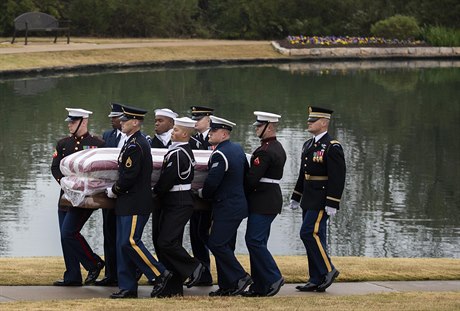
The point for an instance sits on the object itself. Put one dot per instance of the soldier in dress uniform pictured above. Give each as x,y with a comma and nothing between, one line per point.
71,219
164,122
174,192
113,138
319,188
224,186
133,207
265,202
200,141
200,223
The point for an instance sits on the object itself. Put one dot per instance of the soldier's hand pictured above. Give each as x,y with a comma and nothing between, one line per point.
330,211
110,193
293,204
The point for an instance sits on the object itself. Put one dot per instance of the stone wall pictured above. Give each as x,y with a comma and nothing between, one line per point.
366,52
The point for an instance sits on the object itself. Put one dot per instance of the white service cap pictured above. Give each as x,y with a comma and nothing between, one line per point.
185,122
166,113
265,117
77,113
220,123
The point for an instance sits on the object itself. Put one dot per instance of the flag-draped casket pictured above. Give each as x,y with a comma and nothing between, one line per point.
88,173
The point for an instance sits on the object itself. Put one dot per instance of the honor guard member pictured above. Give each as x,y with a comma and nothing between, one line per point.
133,207
174,191
319,188
200,140
224,186
113,138
265,202
71,219
164,122
201,217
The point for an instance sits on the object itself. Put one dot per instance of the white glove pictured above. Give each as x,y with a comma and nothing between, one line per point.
293,204
200,193
110,193
330,211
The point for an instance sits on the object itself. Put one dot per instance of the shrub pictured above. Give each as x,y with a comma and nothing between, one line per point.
441,36
397,27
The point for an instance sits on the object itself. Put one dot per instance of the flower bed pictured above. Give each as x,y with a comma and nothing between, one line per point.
305,42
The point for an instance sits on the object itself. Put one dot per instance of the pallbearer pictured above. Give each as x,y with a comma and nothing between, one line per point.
319,189
114,138
265,202
174,192
71,219
200,222
133,207
224,186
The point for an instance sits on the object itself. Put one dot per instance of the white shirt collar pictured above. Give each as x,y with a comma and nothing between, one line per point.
123,138
165,137
319,136
205,133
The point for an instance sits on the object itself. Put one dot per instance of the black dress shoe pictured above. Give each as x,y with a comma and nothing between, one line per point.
106,281
328,279
203,283
160,283
196,275
93,274
251,293
275,287
221,292
124,294
66,283
309,287
242,284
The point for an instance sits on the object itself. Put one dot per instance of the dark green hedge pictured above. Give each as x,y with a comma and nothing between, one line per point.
239,19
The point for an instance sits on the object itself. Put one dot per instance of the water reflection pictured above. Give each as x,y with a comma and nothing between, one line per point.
33,86
397,122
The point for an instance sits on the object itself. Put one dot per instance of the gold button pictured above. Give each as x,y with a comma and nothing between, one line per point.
78,142
76,148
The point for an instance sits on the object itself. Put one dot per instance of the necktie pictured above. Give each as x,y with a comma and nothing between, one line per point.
310,143
118,138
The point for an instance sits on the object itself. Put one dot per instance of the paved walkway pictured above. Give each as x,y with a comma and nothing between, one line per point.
30,293
34,47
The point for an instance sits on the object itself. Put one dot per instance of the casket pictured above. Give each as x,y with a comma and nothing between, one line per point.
88,173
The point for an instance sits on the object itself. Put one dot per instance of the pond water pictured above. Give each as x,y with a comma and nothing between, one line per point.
397,121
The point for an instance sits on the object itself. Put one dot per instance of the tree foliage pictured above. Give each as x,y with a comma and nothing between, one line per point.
398,27
242,19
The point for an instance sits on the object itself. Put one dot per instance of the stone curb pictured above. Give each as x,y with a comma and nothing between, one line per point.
370,53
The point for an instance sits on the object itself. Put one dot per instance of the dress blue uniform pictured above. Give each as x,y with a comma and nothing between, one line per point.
320,183
200,222
109,221
75,248
133,208
224,185
265,202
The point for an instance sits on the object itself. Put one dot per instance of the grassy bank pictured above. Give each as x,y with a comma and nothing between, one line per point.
45,270
395,301
161,50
